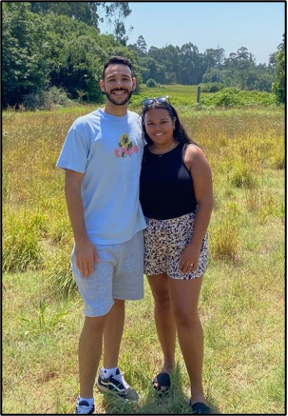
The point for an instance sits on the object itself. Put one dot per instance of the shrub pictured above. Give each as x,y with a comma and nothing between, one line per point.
46,100
21,241
151,83
278,159
59,272
230,97
242,175
225,237
211,86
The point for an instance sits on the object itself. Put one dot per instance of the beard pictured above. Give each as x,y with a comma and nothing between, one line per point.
113,101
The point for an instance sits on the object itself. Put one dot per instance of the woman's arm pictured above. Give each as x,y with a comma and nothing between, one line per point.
197,163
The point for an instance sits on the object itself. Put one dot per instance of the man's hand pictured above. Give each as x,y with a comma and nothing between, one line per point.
86,255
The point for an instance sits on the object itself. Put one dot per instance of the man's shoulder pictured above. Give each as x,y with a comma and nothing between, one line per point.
132,114
87,119
134,118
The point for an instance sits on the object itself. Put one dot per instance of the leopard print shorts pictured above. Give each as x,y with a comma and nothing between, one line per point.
165,241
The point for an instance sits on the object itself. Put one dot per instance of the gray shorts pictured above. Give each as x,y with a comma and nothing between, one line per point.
119,275
165,241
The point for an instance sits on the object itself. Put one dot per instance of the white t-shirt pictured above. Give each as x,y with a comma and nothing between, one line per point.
108,150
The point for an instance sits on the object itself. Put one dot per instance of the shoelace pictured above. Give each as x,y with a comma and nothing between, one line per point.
119,377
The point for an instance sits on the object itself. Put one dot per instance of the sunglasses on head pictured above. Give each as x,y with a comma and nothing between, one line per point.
160,100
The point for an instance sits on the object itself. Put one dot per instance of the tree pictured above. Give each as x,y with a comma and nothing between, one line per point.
142,46
89,12
192,64
53,50
116,12
214,57
213,75
79,52
279,82
25,52
81,11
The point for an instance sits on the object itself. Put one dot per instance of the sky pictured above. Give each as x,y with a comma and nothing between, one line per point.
258,26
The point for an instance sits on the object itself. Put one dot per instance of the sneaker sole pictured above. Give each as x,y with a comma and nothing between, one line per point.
115,394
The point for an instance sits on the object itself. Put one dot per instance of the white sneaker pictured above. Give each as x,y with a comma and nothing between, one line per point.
83,408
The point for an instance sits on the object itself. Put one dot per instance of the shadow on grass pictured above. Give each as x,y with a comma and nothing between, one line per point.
175,402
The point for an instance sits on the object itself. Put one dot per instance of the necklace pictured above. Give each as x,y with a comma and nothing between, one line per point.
163,151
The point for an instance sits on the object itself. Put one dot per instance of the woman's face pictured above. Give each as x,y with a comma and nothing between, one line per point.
159,125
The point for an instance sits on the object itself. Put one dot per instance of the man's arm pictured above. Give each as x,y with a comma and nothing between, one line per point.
85,250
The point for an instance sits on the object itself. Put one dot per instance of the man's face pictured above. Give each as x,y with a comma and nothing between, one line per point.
118,84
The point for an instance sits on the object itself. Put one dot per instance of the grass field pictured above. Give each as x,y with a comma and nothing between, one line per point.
242,298
182,96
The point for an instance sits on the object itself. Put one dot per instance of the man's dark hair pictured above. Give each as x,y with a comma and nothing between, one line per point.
120,60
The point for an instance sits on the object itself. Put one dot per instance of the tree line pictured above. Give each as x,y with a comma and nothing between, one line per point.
55,44
186,65
58,45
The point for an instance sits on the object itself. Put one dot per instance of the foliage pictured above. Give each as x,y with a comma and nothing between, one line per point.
58,44
22,246
242,175
228,97
225,238
26,63
59,273
115,14
279,83
46,99
44,50
151,69
151,83
211,86
40,324
87,12
186,65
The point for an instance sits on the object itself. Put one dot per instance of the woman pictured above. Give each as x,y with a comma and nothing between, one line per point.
176,198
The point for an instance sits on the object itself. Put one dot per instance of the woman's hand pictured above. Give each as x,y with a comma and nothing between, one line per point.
189,258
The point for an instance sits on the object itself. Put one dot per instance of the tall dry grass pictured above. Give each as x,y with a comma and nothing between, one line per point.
242,299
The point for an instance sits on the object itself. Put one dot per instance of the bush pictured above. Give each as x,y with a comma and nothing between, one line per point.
59,272
21,241
242,175
151,83
46,100
230,97
225,236
211,86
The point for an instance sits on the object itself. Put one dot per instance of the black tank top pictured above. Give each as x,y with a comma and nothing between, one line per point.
166,185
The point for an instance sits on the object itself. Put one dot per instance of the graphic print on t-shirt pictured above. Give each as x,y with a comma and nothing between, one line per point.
126,146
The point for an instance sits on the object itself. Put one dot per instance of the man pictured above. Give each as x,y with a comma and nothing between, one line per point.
102,157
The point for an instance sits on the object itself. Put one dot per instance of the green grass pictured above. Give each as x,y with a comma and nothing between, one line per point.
242,298
185,96
175,90
180,96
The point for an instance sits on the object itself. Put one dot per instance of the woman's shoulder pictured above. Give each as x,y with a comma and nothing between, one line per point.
194,151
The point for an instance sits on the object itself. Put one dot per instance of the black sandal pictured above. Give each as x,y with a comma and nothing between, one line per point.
200,409
161,383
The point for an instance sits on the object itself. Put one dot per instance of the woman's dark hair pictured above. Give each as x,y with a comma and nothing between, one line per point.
179,132
120,60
